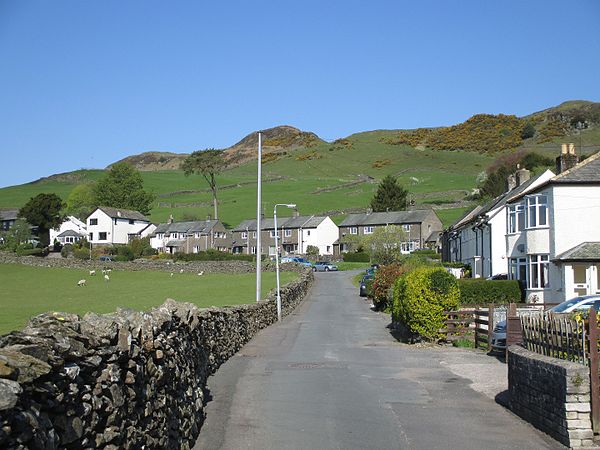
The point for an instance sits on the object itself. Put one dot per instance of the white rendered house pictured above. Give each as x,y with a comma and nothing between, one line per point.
69,232
116,226
479,238
553,233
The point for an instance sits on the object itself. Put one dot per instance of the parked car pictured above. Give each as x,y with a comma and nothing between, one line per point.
498,276
297,260
324,266
582,303
106,258
363,289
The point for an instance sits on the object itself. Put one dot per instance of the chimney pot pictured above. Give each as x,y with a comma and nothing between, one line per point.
511,182
522,176
567,158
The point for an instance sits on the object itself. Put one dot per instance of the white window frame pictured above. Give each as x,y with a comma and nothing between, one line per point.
516,221
538,271
196,249
537,211
93,222
197,235
514,269
353,230
368,230
272,233
406,227
244,235
288,233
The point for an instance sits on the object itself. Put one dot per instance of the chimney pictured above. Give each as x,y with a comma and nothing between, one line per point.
567,158
522,175
208,217
170,219
511,182
369,211
296,213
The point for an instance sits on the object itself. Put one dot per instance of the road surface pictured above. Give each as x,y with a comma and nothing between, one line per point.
330,376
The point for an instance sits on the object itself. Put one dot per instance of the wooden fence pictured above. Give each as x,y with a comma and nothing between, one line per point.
557,336
471,323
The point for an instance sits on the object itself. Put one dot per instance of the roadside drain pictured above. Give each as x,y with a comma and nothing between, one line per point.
315,365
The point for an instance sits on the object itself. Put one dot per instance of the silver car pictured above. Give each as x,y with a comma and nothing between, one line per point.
324,266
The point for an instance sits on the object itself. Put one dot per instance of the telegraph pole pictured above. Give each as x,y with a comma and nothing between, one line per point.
258,213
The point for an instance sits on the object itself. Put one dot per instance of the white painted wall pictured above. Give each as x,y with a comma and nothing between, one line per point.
116,229
71,223
323,236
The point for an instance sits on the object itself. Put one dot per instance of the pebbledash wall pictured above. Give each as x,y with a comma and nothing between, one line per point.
122,380
551,394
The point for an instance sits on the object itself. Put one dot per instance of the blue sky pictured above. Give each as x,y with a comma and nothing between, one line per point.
85,83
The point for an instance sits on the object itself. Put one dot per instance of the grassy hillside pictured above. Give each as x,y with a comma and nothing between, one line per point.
340,177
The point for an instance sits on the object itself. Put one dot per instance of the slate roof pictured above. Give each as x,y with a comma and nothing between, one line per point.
497,202
386,218
434,236
123,213
587,171
9,214
174,243
70,233
196,226
283,222
586,251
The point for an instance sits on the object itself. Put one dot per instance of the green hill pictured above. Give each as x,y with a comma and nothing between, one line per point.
329,178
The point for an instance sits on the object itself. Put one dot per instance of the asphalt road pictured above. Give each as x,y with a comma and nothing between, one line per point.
331,376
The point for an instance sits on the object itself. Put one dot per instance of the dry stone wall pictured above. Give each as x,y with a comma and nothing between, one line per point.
122,380
551,394
147,264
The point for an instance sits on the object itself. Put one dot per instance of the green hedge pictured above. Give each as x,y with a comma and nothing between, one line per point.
477,291
356,257
428,253
420,298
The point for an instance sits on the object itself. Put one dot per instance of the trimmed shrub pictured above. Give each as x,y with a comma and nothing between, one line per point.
428,253
356,257
476,291
421,297
384,280
66,251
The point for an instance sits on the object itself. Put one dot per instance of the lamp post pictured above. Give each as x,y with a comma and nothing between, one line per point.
287,205
258,214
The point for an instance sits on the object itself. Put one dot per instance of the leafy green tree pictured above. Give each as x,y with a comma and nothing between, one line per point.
390,196
528,131
123,187
17,234
384,245
82,201
45,212
208,163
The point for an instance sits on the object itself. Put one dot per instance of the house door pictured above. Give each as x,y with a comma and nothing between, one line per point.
580,279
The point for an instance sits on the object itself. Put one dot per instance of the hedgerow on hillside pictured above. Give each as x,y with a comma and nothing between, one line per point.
485,133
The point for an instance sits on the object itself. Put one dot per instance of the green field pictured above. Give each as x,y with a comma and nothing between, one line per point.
26,291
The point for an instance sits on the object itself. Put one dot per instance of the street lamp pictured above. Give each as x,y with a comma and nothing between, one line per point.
287,205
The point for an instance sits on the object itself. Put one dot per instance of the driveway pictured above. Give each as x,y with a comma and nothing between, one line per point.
330,376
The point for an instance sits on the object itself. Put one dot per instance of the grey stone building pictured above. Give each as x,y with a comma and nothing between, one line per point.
422,227
191,237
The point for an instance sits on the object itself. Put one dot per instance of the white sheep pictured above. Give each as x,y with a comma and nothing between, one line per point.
92,273
108,270
171,274
81,283
201,273
106,278
180,270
